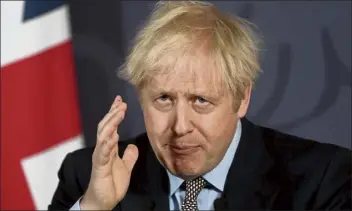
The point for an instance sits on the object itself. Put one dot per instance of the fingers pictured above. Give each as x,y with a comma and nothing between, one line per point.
114,149
130,156
116,107
107,146
116,101
107,136
111,121
104,150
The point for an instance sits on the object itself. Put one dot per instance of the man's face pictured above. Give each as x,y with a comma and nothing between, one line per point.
190,122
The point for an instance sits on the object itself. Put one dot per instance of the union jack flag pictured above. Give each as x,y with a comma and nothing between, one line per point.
40,120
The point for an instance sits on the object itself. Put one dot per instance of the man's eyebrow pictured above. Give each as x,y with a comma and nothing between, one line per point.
212,95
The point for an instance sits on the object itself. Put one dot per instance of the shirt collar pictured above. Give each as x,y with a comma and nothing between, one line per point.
216,176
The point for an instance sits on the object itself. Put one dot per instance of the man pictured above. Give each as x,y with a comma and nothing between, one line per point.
194,68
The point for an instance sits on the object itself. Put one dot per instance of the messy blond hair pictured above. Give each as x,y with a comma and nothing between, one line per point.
176,29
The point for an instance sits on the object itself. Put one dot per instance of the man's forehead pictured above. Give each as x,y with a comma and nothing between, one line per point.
193,70
186,82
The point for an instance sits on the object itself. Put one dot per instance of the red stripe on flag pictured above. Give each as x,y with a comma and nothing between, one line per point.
39,109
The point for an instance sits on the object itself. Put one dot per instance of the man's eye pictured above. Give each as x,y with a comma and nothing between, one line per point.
163,98
201,101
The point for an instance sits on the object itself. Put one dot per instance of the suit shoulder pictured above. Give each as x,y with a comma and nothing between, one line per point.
82,154
289,147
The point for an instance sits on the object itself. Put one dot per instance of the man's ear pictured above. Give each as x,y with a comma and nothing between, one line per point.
242,110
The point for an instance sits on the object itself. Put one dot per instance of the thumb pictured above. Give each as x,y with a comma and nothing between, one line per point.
130,156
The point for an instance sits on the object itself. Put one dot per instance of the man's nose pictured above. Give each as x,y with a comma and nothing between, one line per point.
182,124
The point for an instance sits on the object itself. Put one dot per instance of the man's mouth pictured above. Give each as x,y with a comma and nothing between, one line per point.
184,150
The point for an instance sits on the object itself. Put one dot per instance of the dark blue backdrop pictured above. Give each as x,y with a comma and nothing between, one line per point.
305,89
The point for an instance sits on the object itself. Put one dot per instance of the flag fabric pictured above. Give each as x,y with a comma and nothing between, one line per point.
40,121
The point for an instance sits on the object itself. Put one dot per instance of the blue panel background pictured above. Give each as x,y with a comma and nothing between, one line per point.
305,89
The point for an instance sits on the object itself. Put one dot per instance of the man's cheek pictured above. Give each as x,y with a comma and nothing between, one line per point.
207,124
159,122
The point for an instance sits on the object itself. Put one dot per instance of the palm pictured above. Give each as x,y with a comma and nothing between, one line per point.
120,178
112,181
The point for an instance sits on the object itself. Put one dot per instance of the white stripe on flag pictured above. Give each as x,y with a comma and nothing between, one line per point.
20,40
41,170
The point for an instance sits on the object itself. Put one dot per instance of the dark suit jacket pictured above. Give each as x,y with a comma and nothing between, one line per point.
271,170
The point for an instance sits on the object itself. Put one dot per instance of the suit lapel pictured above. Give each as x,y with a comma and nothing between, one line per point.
158,184
248,184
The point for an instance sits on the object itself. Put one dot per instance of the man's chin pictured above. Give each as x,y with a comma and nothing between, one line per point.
187,172
187,175
186,166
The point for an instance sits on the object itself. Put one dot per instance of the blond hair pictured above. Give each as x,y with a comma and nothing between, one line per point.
176,29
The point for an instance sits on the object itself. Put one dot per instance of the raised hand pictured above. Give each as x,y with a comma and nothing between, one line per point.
110,176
